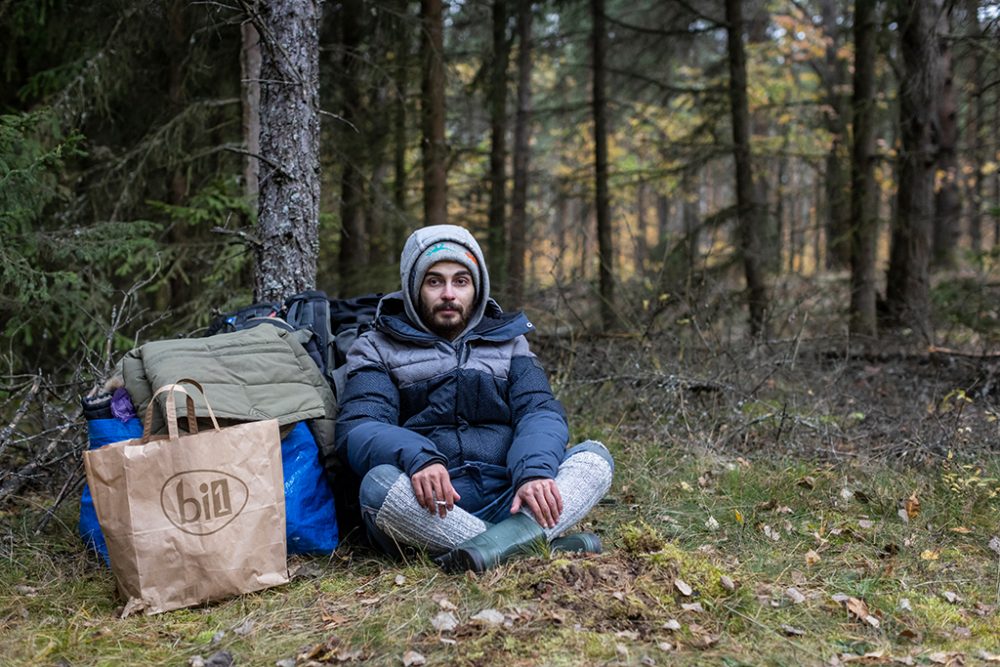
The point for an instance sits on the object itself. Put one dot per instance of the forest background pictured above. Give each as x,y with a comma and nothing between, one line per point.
687,198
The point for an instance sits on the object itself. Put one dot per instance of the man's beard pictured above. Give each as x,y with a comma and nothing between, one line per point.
448,331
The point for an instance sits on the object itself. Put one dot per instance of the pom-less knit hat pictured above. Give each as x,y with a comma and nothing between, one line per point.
442,243
443,251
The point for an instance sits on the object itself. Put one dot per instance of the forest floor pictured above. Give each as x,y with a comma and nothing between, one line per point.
803,502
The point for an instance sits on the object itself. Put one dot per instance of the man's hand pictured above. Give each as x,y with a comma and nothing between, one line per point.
433,489
541,497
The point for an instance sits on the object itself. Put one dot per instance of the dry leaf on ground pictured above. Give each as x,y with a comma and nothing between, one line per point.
413,659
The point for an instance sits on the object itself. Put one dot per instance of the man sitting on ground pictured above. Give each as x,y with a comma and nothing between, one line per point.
450,421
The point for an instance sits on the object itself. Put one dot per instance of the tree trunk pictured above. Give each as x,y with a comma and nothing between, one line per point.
435,150
497,225
250,70
522,154
838,194
289,141
976,116
947,204
605,245
690,220
907,288
354,149
639,245
748,209
768,233
864,211
398,225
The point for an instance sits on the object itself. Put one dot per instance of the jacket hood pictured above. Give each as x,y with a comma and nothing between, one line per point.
419,243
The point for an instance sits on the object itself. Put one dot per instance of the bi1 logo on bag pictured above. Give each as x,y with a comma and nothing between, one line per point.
202,502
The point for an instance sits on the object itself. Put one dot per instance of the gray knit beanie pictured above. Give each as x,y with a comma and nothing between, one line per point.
443,251
442,243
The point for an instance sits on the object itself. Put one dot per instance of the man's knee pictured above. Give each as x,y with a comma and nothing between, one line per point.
376,484
592,447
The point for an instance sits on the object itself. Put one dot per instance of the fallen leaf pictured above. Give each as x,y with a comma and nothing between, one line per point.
350,655
904,604
930,554
445,621
693,606
794,595
987,657
791,631
812,558
27,591
846,493
903,515
866,523
995,545
399,580
912,505
448,641
727,583
771,533
807,482
244,628
682,586
413,659
951,596
442,601
646,660
627,634
962,631
962,530
858,608
488,617
704,641
712,523
672,625
665,646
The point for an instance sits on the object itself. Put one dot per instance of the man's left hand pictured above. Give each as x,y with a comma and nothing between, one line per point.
541,496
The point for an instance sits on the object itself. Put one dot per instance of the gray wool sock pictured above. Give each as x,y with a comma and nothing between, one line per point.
583,479
402,518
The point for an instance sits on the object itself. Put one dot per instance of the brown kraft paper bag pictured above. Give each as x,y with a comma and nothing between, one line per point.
193,517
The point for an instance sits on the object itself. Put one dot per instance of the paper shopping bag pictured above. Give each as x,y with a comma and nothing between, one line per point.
192,517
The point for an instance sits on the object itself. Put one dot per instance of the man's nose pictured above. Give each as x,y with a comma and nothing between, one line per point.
448,292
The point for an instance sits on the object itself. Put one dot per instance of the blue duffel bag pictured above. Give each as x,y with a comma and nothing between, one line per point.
310,515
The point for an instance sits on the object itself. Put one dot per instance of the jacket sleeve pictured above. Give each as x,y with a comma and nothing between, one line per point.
368,432
540,429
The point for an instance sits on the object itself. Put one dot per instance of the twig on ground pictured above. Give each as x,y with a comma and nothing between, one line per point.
8,430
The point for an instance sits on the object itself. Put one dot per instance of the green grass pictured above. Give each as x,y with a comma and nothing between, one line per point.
672,514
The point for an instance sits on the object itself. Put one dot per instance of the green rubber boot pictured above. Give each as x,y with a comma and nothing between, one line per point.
517,535
579,542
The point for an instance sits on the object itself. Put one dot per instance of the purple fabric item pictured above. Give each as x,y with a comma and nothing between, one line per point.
121,405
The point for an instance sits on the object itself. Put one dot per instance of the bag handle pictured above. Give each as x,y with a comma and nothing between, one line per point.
171,411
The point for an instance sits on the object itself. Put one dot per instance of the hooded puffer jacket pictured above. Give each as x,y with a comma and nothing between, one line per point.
481,405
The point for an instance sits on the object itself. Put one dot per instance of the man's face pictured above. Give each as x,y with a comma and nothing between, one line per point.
446,297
